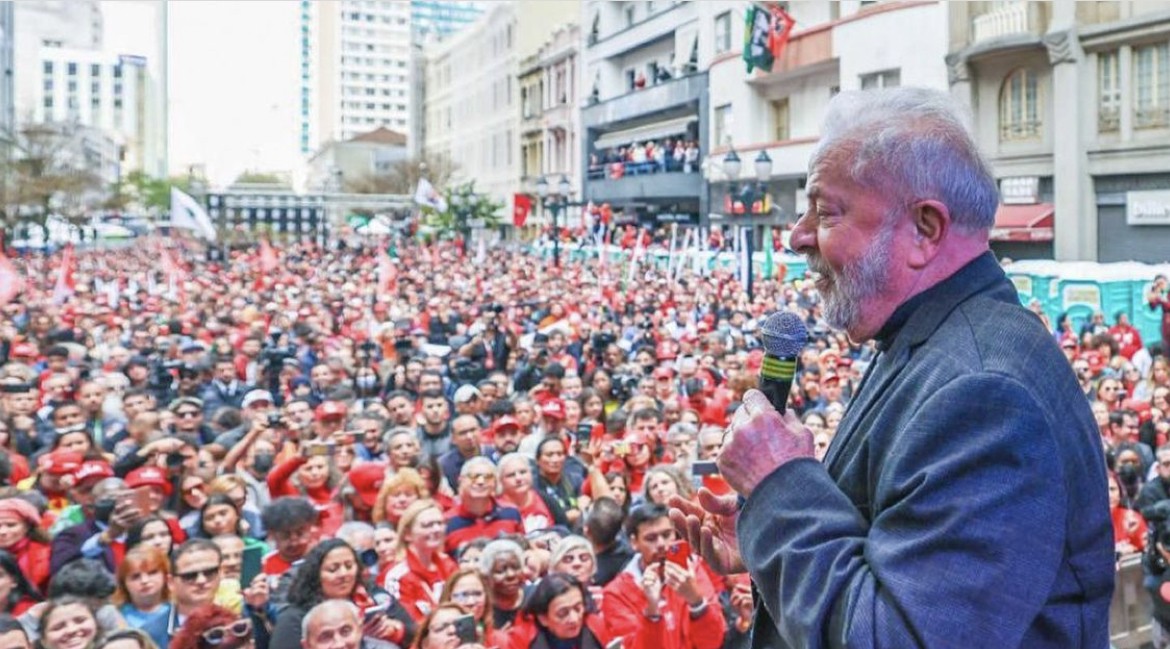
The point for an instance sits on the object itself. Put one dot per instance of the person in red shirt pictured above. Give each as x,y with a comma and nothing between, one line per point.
23,537
313,479
663,604
479,514
292,526
418,576
516,487
1129,339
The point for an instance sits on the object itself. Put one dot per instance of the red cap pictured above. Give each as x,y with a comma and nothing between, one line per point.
367,480
554,408
331,410
61,462
93,470
148,476
830,377
24,350
507,421
664,351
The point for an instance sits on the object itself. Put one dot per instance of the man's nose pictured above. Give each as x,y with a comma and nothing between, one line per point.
804,233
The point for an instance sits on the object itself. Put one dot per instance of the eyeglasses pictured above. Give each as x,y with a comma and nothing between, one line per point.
467,596
194,575
215,636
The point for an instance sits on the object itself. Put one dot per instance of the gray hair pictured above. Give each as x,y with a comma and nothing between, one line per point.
495,550
567,544
912,141
478,461
325,608
513,457
350,530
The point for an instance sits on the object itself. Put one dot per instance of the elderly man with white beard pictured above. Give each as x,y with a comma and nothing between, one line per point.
961,502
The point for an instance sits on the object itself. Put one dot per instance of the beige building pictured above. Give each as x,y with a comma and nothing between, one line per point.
1072,105
356,160
549,115
472,95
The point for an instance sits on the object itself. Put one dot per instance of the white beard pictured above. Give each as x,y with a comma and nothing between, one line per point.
845,293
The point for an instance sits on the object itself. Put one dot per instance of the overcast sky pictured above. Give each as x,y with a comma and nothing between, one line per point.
234,79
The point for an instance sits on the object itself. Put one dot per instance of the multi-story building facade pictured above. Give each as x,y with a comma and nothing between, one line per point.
835,46
7,66
644,106
1072,106
94,89
473,111
355,69
549,114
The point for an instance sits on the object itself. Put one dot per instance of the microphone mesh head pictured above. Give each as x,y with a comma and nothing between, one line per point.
784,335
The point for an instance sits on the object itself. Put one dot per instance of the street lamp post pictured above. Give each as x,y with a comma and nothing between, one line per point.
750,193
560,203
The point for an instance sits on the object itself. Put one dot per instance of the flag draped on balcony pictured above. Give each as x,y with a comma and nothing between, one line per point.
765,35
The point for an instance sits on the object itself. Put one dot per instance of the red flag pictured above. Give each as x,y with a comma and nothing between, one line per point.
11,283
63,289
782,25
521,207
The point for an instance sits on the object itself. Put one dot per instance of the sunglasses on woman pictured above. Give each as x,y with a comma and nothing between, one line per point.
218,635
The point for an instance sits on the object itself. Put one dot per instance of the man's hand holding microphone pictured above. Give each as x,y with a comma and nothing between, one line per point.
762,437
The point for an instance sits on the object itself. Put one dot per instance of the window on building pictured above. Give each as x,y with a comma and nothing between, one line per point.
71,69
631,79
722,124
631,15
1108,92
1151,86
883,79
780,120
48,68
723,32
1019,106
48,104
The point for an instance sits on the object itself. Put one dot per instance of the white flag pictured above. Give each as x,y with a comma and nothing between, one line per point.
425,194
187,213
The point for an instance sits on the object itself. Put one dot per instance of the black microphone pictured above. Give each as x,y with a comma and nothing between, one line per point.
784,336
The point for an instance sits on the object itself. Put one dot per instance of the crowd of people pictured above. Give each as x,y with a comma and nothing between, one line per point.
318,448
668,156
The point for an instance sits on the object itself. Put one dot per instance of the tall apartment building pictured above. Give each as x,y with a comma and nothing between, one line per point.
644,86
355,69
1072,106
358,63
435,20
472,94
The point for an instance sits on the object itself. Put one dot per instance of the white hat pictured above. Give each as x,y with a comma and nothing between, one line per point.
257,395
466,393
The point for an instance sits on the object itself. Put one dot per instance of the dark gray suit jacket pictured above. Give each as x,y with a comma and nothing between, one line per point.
962,503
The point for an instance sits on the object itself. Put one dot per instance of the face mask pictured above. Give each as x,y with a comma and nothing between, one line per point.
1128,473
262,462
367,382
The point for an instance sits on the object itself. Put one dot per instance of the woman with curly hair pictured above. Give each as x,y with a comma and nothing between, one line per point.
215,626
333,570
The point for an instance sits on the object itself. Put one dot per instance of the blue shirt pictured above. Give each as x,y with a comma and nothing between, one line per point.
153,623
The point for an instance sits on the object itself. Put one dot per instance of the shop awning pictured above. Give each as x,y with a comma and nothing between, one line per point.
655,131
1023,223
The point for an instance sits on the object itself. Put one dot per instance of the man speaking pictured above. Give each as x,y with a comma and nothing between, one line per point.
963,501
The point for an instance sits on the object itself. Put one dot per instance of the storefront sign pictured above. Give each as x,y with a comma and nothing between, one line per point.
1147,207
1020,190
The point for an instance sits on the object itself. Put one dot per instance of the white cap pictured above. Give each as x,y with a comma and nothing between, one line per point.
466,393
257,395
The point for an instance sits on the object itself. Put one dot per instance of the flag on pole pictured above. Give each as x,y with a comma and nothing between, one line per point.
782,24
188,214
425,194
11,283
63,289
521,208
769,263
268,261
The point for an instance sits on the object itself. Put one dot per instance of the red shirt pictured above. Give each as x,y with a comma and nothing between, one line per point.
415,585
535,514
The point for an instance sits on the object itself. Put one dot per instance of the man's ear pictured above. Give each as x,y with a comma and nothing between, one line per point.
931,221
